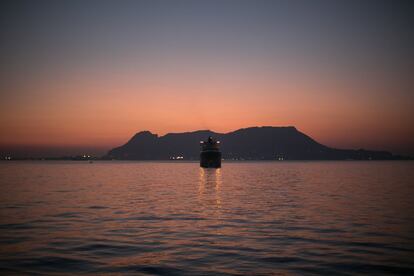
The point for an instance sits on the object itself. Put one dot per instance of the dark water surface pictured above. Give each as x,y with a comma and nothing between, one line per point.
335,218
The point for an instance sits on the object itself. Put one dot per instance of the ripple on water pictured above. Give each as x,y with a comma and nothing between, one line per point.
109,249
17,226
68,215
50,264
98,207
175,219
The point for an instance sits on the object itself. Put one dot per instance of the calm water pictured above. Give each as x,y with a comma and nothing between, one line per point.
175,218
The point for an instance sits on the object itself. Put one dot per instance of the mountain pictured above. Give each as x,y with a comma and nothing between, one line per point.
254,143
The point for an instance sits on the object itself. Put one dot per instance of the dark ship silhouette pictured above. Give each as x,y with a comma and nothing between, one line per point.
210,155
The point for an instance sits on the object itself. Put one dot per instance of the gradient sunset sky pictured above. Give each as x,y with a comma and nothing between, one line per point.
84,76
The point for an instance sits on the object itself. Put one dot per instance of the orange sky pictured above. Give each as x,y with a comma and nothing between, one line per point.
104,110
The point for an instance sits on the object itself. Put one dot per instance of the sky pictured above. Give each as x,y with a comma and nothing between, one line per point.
84,76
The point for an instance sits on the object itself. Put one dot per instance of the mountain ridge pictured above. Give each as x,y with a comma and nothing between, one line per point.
251,143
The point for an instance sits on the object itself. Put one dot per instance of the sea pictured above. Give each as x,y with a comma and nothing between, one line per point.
175,218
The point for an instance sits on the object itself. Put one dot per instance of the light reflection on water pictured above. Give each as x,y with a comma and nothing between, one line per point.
177,218
210,178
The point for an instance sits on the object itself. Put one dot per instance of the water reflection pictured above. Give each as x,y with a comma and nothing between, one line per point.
210,181
164,218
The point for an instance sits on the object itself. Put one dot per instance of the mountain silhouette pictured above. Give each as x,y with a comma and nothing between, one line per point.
254,143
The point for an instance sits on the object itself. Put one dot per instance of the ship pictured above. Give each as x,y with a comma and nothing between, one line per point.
210,155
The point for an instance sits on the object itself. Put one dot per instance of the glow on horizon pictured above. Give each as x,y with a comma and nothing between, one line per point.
106,112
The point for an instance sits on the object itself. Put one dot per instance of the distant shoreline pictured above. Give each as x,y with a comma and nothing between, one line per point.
197,161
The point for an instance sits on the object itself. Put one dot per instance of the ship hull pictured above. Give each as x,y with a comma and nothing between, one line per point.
210,159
